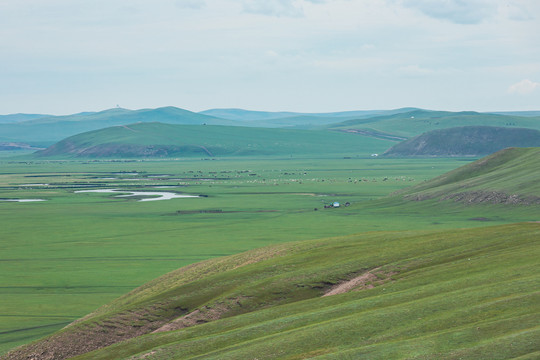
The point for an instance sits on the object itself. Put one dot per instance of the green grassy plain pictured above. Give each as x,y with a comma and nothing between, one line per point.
64,257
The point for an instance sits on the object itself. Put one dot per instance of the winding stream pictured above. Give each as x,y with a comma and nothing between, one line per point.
160,195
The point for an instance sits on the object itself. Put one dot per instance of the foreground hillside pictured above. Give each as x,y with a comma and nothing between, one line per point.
466,141
470,294
510,176
166,140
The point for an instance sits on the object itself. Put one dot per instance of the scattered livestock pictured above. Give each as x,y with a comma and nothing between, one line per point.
336,205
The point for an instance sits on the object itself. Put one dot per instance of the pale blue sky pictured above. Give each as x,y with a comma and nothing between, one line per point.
67,56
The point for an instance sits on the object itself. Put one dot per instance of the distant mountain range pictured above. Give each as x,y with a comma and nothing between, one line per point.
46,130
43,130
40,131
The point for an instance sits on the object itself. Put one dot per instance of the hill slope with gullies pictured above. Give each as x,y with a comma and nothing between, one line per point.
430,294
166,140
510,176
465,141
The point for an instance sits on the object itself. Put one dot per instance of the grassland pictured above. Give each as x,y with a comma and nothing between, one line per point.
76,251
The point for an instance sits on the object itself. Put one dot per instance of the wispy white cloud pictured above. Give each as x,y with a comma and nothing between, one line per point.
456,11
190,4
278,8
523,87
415,70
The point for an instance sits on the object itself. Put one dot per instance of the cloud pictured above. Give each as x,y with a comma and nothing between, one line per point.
518,11
523,87
415,70
277,8
456,11
190,4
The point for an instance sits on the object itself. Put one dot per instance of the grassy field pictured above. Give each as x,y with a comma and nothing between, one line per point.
64,257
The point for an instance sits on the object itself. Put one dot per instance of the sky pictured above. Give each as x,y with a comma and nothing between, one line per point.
68,56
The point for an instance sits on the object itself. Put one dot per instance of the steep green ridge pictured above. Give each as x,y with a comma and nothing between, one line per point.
166,140
509,176
416,122
466,141
468,293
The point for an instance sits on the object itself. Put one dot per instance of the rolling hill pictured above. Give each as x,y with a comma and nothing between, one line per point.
510,176
44,130
465,141
166,140
418,121
416,295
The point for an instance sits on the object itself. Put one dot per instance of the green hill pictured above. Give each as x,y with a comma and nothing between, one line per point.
413,123
465,141
166,140
510,176
469,294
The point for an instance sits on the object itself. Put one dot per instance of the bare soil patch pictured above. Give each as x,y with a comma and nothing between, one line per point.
366,280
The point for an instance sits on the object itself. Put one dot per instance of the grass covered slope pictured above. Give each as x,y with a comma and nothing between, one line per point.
465,141
509,176
470,294
166,140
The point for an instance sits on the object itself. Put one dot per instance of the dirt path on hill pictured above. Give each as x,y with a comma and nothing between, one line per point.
128,128
360,281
